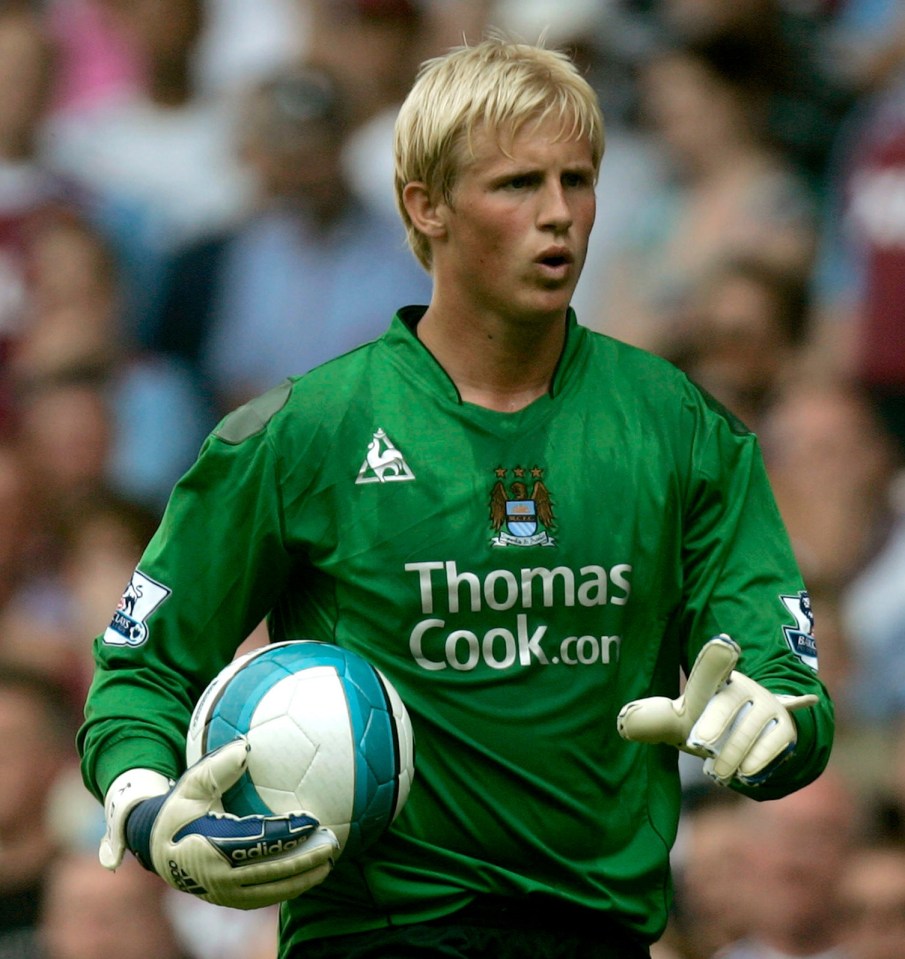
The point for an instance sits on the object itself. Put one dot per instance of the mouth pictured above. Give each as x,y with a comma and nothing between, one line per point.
556,264
555,258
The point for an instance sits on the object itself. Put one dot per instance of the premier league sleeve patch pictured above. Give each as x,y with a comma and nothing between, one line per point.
800,637
140,598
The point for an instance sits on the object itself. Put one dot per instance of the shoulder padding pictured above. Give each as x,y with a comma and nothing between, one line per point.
252,418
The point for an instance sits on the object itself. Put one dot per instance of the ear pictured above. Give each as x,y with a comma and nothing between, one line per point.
425,213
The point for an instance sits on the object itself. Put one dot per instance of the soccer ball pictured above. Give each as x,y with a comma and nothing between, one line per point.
327,734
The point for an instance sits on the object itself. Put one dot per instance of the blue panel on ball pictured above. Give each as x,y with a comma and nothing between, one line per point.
232,715
377,759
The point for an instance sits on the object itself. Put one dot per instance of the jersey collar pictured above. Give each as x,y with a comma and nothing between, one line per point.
403,340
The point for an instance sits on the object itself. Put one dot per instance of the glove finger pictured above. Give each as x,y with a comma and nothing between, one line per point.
798,702
776,742
711,669
745,734
737,741
756,737
718,718
214,773
286,876
277,891
651,720
199,787
273,893
319,849
260,879
658,719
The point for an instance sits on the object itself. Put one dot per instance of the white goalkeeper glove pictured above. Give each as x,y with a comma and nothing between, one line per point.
242,862
740,729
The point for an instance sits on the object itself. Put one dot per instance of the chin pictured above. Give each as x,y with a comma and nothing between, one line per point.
554,301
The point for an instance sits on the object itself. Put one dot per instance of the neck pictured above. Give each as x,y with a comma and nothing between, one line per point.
493,362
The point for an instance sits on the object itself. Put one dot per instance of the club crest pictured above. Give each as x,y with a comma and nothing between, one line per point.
521,513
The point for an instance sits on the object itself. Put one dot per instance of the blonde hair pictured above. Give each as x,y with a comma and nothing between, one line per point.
497,85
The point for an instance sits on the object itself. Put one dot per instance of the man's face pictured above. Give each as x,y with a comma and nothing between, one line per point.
518,224
31,760
25,78
163,30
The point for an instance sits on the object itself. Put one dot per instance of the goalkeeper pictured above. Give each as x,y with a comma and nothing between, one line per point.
531,529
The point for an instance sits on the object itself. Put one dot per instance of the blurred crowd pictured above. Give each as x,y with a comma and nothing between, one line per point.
196,201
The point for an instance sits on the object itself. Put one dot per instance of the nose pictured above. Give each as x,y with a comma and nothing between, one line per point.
554,213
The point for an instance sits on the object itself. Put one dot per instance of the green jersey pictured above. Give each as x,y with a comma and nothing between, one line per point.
518,577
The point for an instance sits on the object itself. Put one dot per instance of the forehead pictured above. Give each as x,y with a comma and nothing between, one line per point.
550,138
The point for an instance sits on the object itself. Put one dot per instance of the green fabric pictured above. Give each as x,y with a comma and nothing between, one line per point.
654,529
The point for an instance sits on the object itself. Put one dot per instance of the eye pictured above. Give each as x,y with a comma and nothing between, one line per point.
520,182
576,180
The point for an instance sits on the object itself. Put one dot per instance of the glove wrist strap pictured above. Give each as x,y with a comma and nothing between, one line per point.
125,793
139,824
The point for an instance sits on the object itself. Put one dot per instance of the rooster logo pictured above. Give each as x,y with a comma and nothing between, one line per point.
520,517
383,462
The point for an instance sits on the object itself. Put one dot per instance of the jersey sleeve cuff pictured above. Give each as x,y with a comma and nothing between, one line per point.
133,753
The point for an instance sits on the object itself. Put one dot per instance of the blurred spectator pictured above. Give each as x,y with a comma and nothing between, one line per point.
52,620
311,274
97,62
102,433
743,337
807,90
160,163
885,744
373,49
212,932
788,884
65,436
731,194
867,42
707,856
872,616
37,734
84,537
244,42
833,468
100,548
19,534
858,280
90,913
26,185
73,333
873,896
